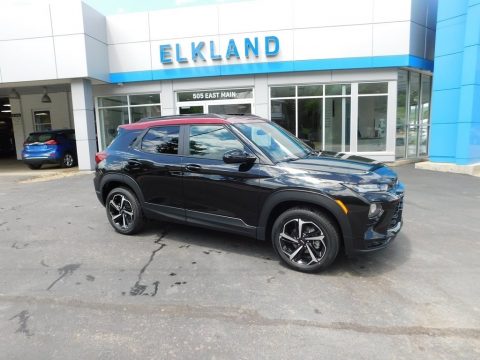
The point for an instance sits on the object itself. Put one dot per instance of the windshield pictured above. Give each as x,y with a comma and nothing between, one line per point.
274,141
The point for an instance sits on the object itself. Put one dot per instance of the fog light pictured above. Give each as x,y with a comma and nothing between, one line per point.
375,210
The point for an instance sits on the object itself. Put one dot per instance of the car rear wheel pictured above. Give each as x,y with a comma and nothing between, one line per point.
305,239
123,211
68,160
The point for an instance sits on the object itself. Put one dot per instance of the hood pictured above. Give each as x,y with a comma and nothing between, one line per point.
342,167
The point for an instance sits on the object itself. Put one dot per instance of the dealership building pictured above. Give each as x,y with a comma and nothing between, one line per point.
351,76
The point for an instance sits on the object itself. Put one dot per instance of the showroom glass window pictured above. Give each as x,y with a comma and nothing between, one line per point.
413,114
123,109
317,114
372,117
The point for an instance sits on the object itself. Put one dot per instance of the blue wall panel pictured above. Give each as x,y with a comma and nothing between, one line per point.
445,114
448,9
455,116
471,65
450,31
441,139
275,67
468,133
453,77
472,35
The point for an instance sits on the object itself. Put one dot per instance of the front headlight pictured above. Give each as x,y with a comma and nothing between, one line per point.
365,188
375,210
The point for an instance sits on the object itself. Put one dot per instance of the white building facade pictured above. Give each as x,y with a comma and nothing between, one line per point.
345,75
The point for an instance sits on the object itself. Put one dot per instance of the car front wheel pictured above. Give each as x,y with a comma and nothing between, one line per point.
305,239
123,211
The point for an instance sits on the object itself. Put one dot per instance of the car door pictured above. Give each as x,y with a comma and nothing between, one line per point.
219,195
155,164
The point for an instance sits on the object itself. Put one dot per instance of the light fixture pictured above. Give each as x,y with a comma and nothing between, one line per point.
7,105
45,97
14,94
6,111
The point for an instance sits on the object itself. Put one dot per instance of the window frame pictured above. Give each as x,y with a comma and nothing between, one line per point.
34,112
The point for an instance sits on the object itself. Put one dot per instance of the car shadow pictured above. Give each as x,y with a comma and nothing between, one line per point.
46,167
210,239
363,265
374,263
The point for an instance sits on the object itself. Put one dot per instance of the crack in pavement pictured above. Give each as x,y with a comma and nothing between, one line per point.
22,317
138,288
65,271
244,316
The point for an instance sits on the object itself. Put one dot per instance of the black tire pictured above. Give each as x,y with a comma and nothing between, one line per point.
34,166
125,216
320,238
68,160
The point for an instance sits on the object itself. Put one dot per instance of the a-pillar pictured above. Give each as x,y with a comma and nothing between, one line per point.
83,117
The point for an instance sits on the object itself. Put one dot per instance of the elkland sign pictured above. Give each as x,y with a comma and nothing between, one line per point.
269,45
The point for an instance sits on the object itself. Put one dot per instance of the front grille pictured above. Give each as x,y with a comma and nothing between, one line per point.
397,215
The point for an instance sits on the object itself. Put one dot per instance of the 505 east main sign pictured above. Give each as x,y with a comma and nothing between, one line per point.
199,50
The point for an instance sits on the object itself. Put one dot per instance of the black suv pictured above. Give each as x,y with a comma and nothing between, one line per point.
248,176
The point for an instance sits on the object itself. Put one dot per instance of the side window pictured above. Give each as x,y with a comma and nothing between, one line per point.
212,141
161,140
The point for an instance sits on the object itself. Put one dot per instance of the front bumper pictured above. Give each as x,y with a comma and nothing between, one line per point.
379,232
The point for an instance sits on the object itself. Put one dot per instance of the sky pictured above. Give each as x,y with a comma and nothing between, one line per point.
108,7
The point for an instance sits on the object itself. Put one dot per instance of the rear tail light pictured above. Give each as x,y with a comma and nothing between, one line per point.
51,142
102,155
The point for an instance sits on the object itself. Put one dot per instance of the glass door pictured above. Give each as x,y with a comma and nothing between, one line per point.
195,109
337,124
230,109
216,101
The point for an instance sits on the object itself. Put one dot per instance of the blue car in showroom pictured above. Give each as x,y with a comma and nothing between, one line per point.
50,147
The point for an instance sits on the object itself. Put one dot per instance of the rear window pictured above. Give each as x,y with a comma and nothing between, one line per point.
41,138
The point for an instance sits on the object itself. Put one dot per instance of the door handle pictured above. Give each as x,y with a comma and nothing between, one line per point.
193,167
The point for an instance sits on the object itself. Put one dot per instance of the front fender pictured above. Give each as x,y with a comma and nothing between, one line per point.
307,197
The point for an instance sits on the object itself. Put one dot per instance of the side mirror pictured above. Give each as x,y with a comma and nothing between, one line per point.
237,156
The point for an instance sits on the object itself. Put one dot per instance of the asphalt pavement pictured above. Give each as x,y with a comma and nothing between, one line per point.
72,288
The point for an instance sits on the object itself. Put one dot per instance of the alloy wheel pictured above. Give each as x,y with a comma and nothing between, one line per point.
121,211
68,160
302,241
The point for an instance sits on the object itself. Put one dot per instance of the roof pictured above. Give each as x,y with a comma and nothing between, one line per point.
191,119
